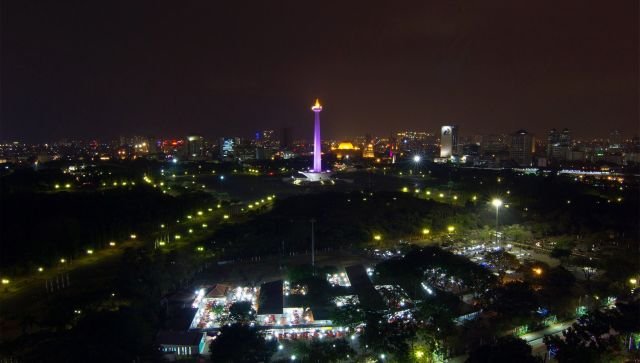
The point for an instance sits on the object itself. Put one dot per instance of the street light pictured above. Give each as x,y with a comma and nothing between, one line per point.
497,203
416,160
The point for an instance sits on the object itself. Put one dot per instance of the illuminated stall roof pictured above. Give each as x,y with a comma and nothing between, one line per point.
219,291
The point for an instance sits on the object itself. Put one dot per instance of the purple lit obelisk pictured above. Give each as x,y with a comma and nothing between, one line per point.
315,174
317,144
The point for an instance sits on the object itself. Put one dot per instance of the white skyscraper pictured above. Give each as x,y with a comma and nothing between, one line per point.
448,141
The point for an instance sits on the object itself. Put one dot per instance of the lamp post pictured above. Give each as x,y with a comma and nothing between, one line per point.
497,203
416,160
313,247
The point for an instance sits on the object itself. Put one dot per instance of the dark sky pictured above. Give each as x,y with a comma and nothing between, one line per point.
98,69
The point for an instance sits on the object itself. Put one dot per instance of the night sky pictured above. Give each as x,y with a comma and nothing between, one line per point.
99,69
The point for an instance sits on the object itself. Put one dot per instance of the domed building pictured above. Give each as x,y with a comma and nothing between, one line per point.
345,150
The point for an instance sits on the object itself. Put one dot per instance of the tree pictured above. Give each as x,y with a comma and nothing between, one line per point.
350,314
517,233
329,351
515,301
239,343
597,336
503,260
241,312
560,253
390,338
505,350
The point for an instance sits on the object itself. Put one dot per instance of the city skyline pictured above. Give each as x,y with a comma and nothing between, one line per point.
339,181
229,70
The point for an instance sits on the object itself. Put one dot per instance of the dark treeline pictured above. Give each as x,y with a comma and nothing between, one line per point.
39,228
342,220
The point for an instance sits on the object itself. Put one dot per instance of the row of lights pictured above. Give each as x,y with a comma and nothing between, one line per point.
40,269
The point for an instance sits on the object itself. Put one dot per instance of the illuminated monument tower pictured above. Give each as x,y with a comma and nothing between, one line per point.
317,144
316,173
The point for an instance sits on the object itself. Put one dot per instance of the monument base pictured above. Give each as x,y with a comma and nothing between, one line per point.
314,176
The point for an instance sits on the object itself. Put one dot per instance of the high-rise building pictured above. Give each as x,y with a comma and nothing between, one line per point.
493,144
194,148
266,139
558,144
615,139
286,138
414,141
522,148
448,141
227,146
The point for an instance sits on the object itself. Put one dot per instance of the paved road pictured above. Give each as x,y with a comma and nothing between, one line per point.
535,339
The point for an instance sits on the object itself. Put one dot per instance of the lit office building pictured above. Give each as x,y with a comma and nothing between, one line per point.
448,141
522,148
194,148
227,146
559,144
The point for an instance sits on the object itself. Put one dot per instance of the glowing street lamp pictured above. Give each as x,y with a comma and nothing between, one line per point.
425,231
40,269
497,203
377,237
451,229
416,161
